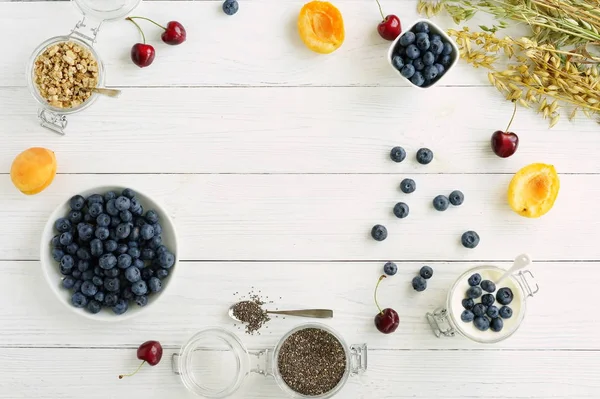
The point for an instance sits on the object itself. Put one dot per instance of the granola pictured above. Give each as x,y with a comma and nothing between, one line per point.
64,72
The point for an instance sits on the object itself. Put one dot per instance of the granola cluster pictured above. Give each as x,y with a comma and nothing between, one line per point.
64,72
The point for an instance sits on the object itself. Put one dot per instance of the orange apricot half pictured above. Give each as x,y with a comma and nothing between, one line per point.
533,190
321,26
33,170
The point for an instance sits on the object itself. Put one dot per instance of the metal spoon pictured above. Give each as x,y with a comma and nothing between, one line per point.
316,313
521,262
106,92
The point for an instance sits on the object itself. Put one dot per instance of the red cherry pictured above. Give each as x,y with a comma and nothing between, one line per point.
174,33
387,320
505,143
142,54
150,352
389,28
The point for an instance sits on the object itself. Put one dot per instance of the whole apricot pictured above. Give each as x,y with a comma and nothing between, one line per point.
33,170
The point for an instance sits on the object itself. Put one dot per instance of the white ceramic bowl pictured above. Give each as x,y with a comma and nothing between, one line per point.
434,29
51,267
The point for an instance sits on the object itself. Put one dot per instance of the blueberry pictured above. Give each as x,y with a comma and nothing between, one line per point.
68,282
66,264
428,58
140,287
440,69
96,247
435,37
135,233
447,49
468,303
98,281
157,229
94,306
124,261
127,294
474,292
95,209
134,252
408,186
151,216
418,79
430,72
441,203
162,273
479,309
426,272
467,316
161,249
76,274
114,272
481,323
87,275
62,225
419,64
85,231
79,300
423,43
133,274
505,312
401,210
154,284
230,7
110,299
397,154
129,193
99,296
148,254
407,39
412,52
445,61
110,245
147,273
390,268
87,218
408,71
419,283
488,300
84,253
110,195
55,242
141,300
75,217
497,324
504,296
120,307
122,203
136,208
57,254
424,156
379,232
122,248
138,263
72,248
470,239
88,288
147,232
95,199
474,280
155,242
114,222
456,197
107,261
422,27
492,311
98,271
437,47
83,265
488,286
111,209
77,285
126,216
77,202
111,284
166,260
123,230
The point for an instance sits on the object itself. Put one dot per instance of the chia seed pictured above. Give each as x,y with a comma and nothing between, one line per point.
312,361
251,313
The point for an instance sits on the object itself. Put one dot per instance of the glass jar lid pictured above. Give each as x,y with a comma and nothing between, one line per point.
213,363
106,10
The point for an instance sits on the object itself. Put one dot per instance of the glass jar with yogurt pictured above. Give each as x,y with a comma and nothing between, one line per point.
446,321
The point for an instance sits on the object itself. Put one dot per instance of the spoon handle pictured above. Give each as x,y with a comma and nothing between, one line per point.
521,262
107,92
316,313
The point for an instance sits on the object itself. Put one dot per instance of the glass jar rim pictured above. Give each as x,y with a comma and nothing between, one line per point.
90,8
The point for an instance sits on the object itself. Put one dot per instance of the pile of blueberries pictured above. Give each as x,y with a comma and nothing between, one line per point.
422,56
485,315
110,252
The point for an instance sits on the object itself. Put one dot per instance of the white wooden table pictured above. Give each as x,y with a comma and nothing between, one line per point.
273,162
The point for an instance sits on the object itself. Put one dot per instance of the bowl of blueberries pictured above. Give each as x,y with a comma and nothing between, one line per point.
423,54
109,253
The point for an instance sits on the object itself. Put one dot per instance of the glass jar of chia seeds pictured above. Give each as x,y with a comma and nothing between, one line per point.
65,89
310,361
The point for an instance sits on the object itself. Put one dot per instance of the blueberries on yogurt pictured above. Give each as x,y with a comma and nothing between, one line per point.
422,56
484,314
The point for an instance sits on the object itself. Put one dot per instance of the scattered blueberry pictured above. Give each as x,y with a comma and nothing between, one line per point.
497,324
424,156
123,230
155,242
379,232
397,154
407,39
474,292
103,220
133,252
426,272
488,299
139,264
412,52
479,309
408,186
470,239
505,312
79,300
418,79
468,303
95,199
474,280
467,316
401,210
96,247
128,193
504,296
456,197
419,284
390,268
481,323
230,7
66,264
111,209
408,71
72,248
441,203
488,286
492,312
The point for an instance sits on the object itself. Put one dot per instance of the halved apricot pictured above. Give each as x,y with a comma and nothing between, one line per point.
33,170
321,26
533,190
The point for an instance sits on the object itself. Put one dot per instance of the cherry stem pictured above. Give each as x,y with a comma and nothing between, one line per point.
375,294
129,375
380,10
140,29
149,20
512,117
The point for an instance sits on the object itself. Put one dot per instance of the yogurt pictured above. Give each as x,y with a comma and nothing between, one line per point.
459,292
